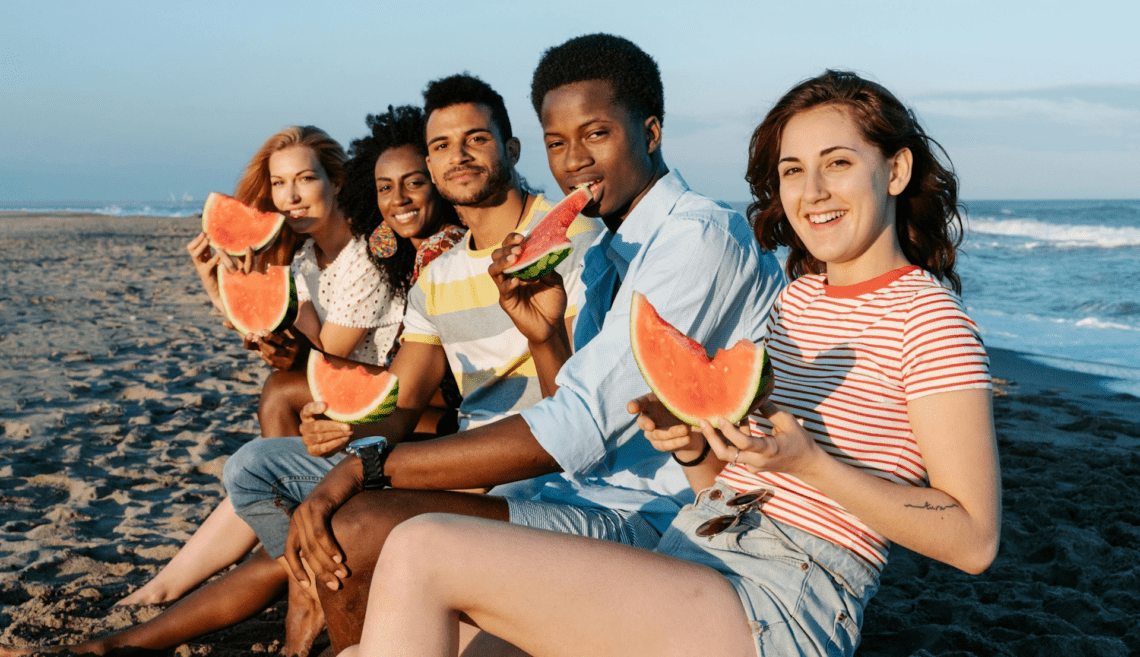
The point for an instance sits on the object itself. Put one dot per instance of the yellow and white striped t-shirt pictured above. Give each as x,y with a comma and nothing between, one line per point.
456,304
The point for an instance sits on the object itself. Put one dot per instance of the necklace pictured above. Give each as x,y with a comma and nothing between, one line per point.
526,197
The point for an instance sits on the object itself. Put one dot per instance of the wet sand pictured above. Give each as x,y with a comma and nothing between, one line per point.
121,395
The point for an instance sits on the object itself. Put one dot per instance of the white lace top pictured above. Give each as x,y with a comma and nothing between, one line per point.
349,293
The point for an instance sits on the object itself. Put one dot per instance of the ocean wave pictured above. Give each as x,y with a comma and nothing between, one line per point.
109,209
1063,235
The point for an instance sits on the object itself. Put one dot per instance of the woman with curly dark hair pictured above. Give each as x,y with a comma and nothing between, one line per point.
389,196
878,430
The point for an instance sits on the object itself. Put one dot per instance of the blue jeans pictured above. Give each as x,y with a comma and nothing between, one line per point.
803,595
267,478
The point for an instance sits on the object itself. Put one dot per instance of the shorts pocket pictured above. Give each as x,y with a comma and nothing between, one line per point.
845,636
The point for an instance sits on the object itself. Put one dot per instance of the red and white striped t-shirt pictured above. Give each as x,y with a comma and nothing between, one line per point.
846,361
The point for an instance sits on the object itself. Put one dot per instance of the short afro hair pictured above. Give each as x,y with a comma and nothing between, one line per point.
466,88
634,75
396,128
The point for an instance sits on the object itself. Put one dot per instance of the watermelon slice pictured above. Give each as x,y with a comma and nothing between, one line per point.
232,225
256,302
679,371
547,245
356,393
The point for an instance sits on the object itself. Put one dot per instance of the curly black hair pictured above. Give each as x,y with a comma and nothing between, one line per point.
466,88
399,126
633,73
928,218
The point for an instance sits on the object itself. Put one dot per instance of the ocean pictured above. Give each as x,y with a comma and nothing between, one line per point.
1058,281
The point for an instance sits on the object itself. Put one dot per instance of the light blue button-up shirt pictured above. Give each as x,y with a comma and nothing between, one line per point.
699,265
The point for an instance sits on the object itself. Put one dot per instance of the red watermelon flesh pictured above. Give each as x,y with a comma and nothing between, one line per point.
256,302
547,245
690,384
233,226
355,393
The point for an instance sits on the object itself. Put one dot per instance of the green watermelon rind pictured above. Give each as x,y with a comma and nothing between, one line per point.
542,265
385,402
218,197
758,382
284,318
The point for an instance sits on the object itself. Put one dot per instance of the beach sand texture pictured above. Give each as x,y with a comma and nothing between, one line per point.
121,396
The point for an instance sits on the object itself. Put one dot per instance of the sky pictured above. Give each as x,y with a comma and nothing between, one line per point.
142,101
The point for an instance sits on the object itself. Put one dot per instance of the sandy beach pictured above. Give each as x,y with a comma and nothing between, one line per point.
121,395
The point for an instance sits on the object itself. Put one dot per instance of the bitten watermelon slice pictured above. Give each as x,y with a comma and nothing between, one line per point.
356,393
256,302
547,245
232,225
678,370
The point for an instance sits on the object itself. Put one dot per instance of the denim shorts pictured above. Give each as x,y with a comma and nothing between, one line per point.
617,525
267,478
803,595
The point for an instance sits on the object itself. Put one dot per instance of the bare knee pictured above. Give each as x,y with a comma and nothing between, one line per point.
415,546
362,525
279,407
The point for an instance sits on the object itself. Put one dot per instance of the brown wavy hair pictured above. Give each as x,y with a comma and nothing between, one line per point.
253,187
928,220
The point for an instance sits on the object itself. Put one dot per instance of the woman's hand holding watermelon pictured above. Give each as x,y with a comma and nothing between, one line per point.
788,449
663,430
281,350
206,263
322,436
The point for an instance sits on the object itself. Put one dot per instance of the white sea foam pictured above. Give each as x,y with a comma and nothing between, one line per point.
1064,235
159,209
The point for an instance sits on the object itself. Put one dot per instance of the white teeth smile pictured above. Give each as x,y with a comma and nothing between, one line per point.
404,216
825,218
298,213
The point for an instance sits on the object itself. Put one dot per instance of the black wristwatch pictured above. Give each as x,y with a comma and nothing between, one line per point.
373,453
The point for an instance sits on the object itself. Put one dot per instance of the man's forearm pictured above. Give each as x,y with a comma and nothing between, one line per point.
548,360
497,453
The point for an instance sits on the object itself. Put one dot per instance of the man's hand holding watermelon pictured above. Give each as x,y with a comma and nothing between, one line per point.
538,309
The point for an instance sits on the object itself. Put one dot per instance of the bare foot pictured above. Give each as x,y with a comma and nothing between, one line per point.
150,594
82,649
303,621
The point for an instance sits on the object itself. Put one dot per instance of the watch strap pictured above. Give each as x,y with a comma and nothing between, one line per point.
373,460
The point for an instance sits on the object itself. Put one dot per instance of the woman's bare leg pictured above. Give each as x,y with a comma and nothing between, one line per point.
230,599
221,541
547,593
283,396
224,538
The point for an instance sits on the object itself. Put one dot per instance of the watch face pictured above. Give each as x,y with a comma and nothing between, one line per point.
379,441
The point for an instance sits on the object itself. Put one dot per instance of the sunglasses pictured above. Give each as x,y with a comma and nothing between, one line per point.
743,503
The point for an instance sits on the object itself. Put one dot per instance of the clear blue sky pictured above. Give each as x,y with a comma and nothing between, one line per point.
136,101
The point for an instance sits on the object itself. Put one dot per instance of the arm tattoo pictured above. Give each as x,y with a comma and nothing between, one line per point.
930,507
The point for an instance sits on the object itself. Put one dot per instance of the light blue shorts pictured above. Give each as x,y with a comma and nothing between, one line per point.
803,595
619,526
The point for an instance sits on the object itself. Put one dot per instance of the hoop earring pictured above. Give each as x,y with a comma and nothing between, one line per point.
382,241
